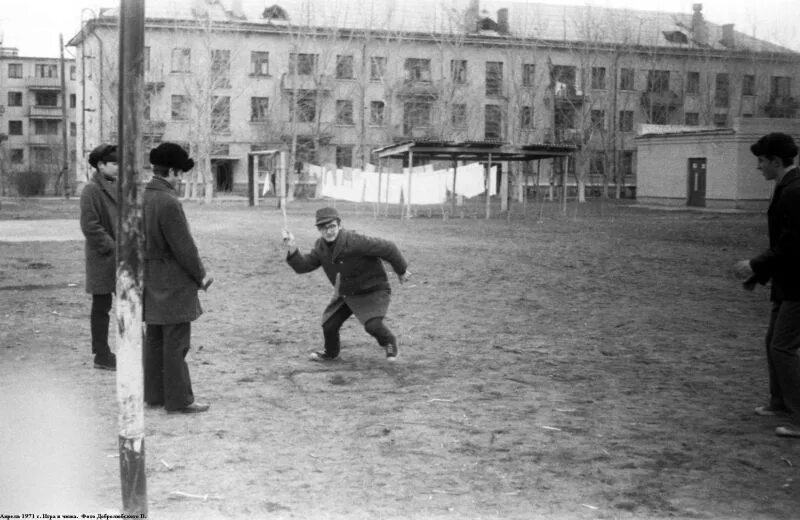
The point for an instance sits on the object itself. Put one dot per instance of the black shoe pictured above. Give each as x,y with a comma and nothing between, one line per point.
192,408
106,361
321,357
391,352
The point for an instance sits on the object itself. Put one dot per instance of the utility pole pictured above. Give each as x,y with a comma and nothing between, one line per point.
130,377
65,127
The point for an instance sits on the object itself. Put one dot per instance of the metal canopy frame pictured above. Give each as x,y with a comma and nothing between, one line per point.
486,152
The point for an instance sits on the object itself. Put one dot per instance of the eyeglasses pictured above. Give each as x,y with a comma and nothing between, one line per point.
328,227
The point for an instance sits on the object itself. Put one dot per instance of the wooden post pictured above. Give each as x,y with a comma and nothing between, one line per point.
65,126
453,195
380,180
504,189
410,174
130,378
282,180
488,174
252,185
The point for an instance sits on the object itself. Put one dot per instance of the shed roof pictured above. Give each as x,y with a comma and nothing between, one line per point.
474,150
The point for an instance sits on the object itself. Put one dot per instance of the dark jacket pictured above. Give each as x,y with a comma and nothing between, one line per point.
781,261
356,258
98,223
173,271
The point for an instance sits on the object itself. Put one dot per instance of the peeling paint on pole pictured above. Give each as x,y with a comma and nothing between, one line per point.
130,276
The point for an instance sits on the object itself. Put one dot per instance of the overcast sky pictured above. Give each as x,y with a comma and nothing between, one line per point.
33,26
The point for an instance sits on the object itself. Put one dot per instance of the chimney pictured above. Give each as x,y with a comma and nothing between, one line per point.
502,21
699,28
471,17
728,36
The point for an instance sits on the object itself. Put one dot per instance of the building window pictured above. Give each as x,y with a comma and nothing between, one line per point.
376,113
14,99
692,119
626,121
780,87
597,163
305,107
494,78
693,83
72,100
302,64
722,91
626,79
259,63
599,78
418,69
73,129
17,156
657,80
221,68
46,99
458,115
458,71
626,163
15,70
598,120
72,72
526,118
377,68
416,114
146,60
180,108
344,155
748,85
45,126
259,108
44,70
220,113
42,156
721,120
493,122
344,67
181,60
344,112
528,74
563,77
15,128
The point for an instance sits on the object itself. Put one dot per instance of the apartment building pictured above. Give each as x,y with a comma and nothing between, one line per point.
334,81
32,118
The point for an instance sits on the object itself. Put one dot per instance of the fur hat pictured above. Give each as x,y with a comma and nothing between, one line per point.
104,153
775,145
325,215
171,155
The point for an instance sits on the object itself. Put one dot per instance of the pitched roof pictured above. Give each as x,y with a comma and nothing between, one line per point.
555,23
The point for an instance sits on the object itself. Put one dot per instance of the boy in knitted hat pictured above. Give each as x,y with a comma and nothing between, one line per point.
98,223
173,273
354,265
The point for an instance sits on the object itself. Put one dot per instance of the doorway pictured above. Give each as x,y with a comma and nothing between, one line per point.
697,182
224,175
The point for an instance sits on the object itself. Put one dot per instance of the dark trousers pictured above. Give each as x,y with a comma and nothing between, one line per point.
783,357
99,319
166,374
374,327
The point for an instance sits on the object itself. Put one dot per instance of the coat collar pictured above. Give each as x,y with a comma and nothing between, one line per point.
109,187
789,177
159,184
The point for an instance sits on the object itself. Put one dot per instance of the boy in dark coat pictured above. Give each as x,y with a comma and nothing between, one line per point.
780,264
353,264
173,272
98,223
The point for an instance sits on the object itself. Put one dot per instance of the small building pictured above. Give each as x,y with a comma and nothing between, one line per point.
711,167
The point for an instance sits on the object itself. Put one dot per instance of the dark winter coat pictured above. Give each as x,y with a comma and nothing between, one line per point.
358,260
781,261
173,271
98,223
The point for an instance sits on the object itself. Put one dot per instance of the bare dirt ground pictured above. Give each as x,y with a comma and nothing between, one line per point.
598,365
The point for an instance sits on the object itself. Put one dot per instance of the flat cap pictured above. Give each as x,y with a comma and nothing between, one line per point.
325,215
104,153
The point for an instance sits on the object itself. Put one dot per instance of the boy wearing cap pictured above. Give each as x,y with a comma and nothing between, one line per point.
173,272
780,264
98,222
353,264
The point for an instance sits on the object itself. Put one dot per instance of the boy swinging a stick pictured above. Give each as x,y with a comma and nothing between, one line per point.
353,264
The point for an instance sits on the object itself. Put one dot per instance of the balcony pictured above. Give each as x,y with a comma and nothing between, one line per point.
781,107
568,95
426,90
153,80
569,136
35,83
663,98
291,82
44,112
154,128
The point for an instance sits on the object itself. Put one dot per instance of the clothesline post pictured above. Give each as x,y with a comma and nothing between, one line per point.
282,181
410,172
380,179
453,194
